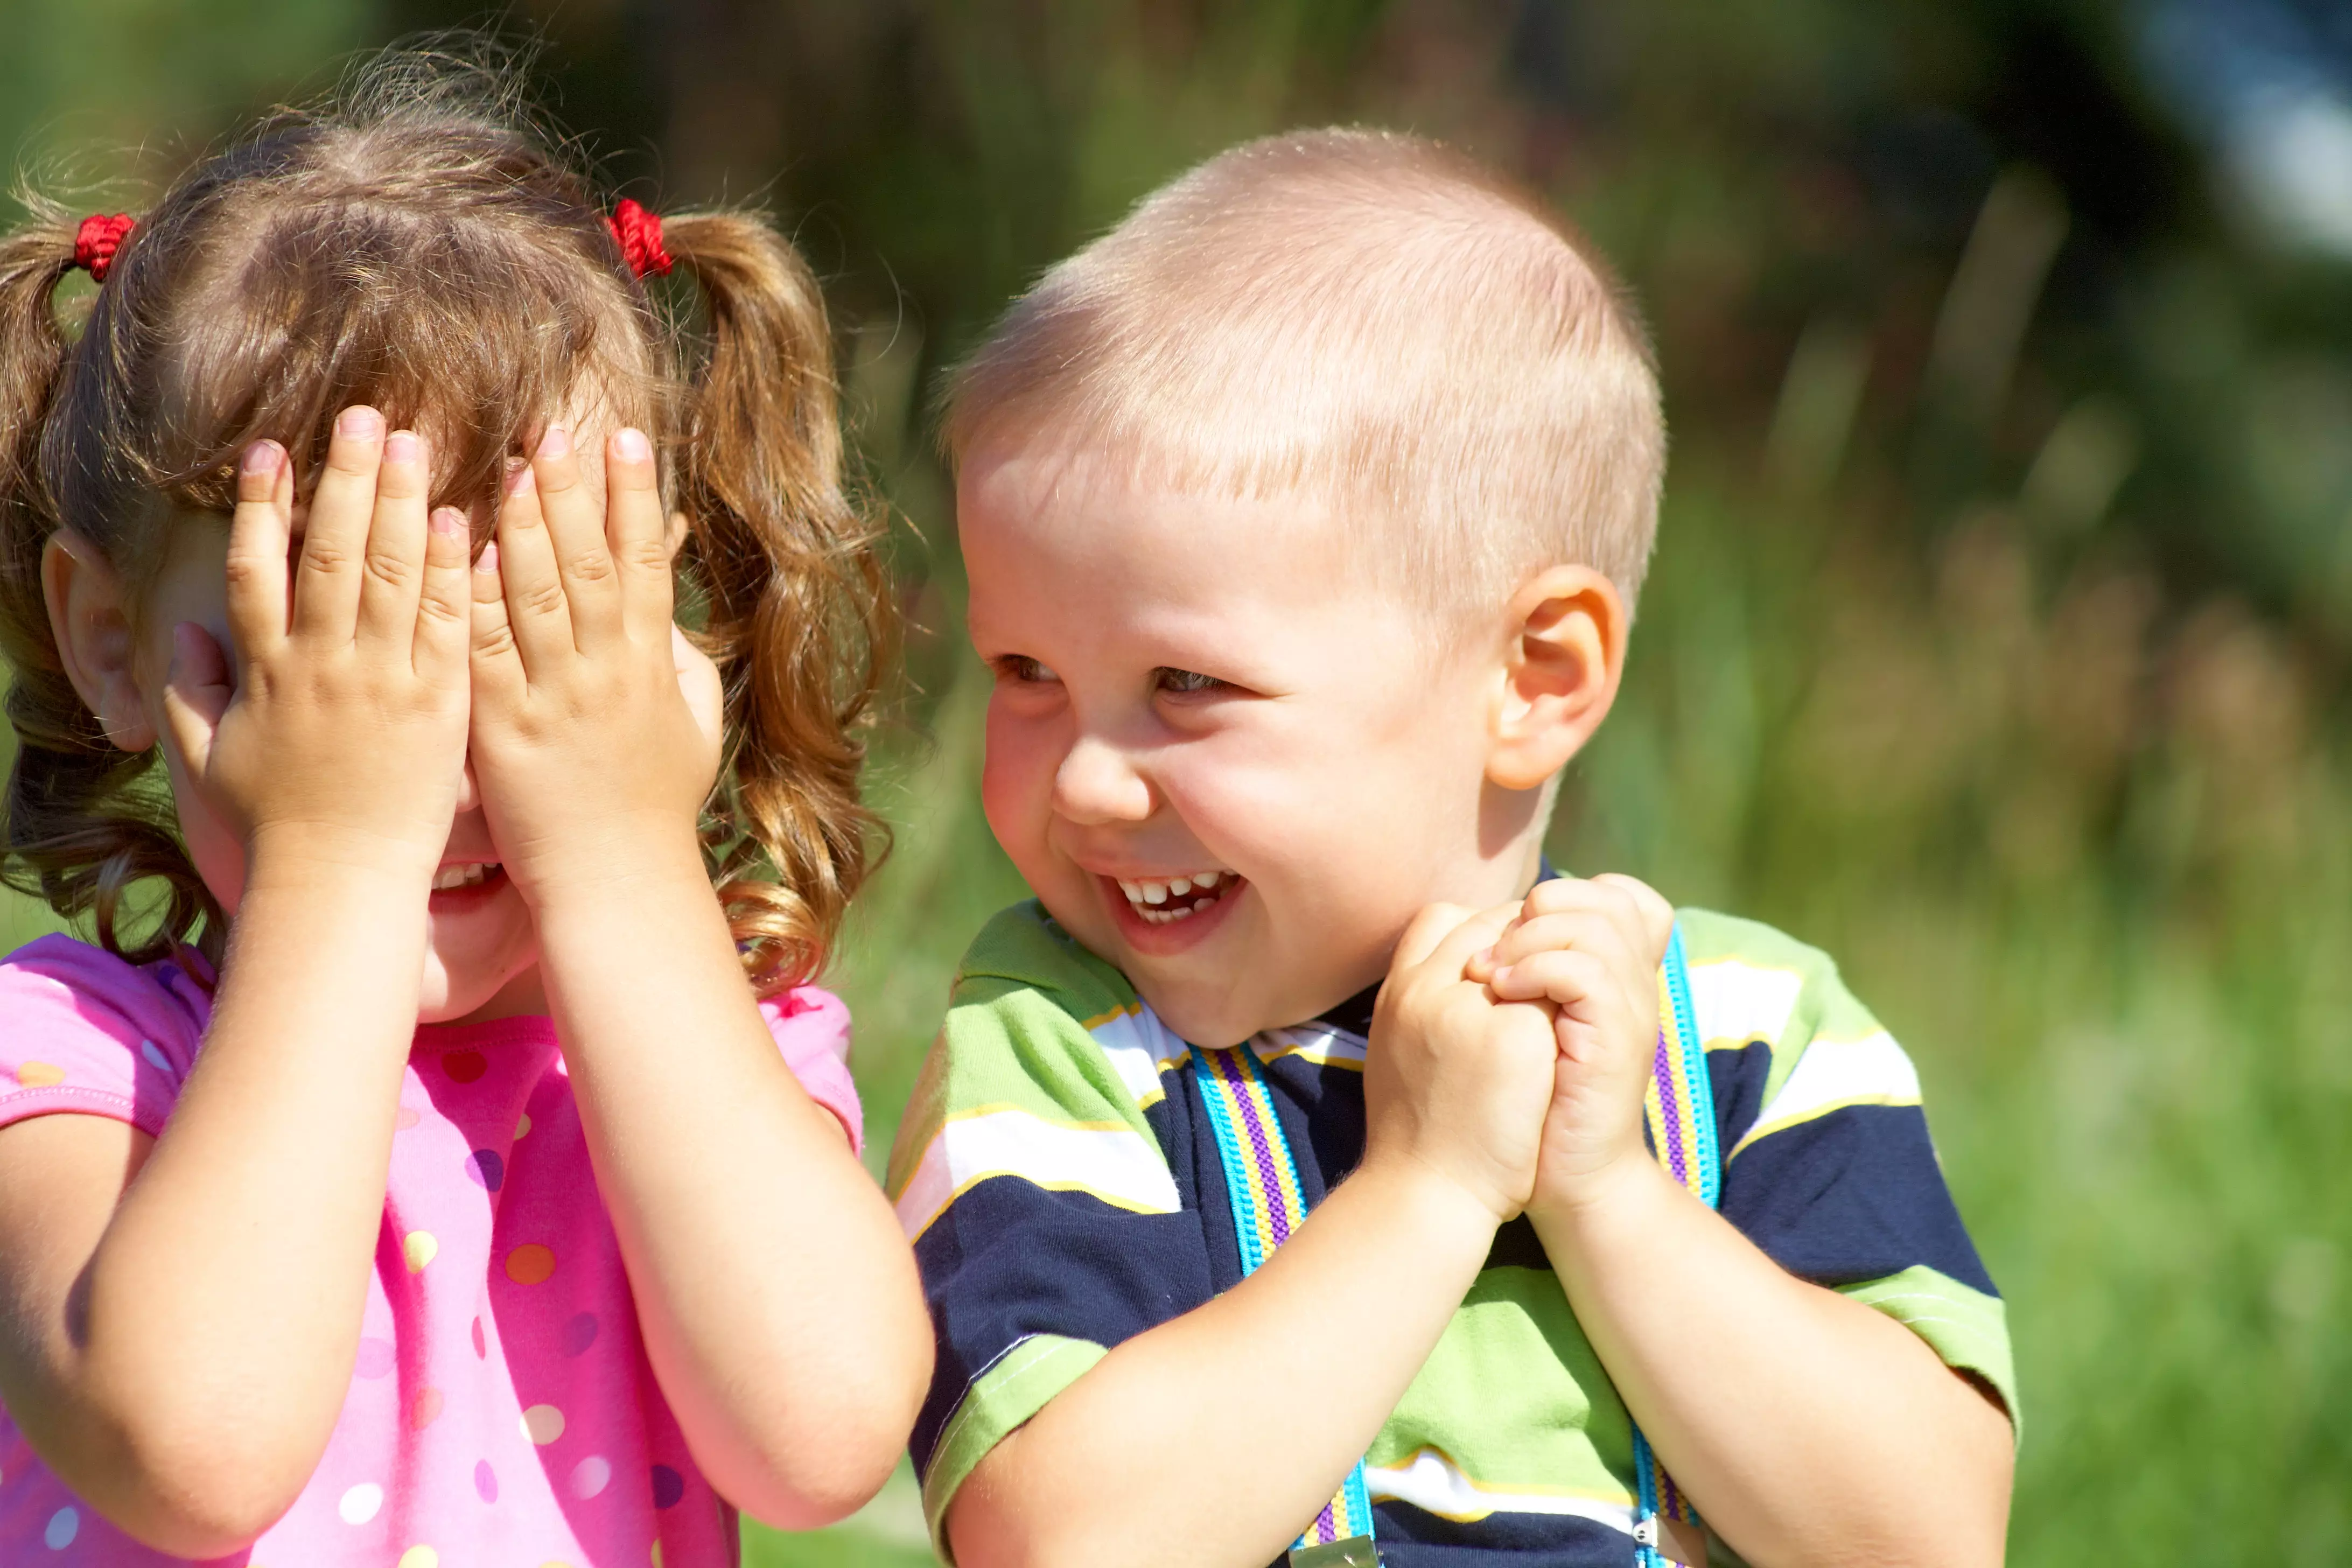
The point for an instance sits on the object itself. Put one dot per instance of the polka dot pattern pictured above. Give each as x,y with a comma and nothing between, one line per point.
590,1476
668,1486
542,1423
403,1119
419,1247
486,1170
531,1264
40,1075
152,1055
523,1127
63,1526
579,1334
486,1481
466,1067
481,1348
420,1557
360,1504
424,1409
375,1357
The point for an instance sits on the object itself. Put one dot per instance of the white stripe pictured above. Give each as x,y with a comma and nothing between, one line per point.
1872,1070
1316,1042
1115,1164
1741,1002
1433,1484
1140,1048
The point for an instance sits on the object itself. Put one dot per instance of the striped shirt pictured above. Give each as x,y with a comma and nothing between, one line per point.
1061,1184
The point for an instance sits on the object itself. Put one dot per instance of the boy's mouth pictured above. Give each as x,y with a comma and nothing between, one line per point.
1166,901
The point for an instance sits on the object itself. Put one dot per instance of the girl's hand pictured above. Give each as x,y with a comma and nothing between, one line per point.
1455,1082
340,730
1593,950
593,760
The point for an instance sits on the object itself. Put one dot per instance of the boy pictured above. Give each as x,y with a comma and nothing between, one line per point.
1303,513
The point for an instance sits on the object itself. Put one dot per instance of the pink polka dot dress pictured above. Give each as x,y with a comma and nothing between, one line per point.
502,1413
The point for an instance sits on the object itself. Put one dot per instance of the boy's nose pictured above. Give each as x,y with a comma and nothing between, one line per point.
1097,784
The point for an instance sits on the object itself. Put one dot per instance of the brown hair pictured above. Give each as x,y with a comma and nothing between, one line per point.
1375,316
419,244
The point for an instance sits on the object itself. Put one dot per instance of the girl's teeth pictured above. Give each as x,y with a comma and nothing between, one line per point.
1155,892
454,876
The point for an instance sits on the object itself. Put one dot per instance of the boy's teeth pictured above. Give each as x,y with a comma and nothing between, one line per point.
1158,903
1134,891
1180,886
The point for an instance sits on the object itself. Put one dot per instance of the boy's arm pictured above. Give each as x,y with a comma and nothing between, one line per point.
1808,1427
1214,1436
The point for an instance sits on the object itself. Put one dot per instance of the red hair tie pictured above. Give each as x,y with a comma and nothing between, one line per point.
639,233
97,240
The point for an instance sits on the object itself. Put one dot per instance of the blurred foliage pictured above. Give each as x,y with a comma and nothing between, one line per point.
1995,641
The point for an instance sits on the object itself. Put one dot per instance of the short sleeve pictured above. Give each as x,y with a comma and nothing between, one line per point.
811,1028
83,1031
1828,1166
1045,1215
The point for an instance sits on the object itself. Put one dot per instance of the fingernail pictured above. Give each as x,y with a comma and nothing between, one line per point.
261,458
446,519
1483,955
633,447
518,478
359,423
400,447
1499,977
556,443
488,559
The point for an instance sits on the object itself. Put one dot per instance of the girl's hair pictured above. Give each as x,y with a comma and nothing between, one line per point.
420,245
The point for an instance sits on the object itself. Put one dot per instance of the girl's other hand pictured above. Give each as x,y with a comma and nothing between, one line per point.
336,726
593,759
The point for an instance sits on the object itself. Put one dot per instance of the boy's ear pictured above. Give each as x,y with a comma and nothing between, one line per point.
90,619
1563,655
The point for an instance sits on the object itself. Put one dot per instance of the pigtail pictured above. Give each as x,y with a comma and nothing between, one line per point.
798,619
79,824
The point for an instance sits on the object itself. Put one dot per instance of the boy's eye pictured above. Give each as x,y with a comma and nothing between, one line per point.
1020,668
1187,682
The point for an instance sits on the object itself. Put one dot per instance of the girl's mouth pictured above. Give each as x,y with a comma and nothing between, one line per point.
451,877
1165,903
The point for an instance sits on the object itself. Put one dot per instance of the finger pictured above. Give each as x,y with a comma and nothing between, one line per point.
637,531
258,534
327,582
1590,931
495,662
390,586
1420,938
1566,975
1655,914
576,538
537,616
1451,956
444,602
698,680
197,689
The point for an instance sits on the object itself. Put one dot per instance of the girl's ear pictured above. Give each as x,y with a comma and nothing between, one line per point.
1564,653
89,620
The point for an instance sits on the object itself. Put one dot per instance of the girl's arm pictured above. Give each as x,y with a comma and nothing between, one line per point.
781,1306
178,1323
1807,1428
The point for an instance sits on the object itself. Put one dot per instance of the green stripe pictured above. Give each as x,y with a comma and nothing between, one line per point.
1021,1382
1966,1327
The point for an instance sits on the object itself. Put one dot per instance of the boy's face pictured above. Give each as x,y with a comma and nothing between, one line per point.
1222,760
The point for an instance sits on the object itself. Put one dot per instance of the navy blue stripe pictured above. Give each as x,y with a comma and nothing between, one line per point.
1852,1195
1737,1078
1410,1538
1009,1259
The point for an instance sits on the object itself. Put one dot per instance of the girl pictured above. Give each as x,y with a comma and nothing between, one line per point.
449,1177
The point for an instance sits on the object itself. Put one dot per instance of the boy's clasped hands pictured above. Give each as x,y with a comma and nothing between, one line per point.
1513,1044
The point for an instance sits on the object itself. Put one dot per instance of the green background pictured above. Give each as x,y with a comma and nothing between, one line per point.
1996,640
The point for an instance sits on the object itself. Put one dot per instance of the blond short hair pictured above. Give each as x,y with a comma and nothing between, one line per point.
1370,317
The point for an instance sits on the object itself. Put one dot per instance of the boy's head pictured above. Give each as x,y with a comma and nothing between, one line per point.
1304,512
